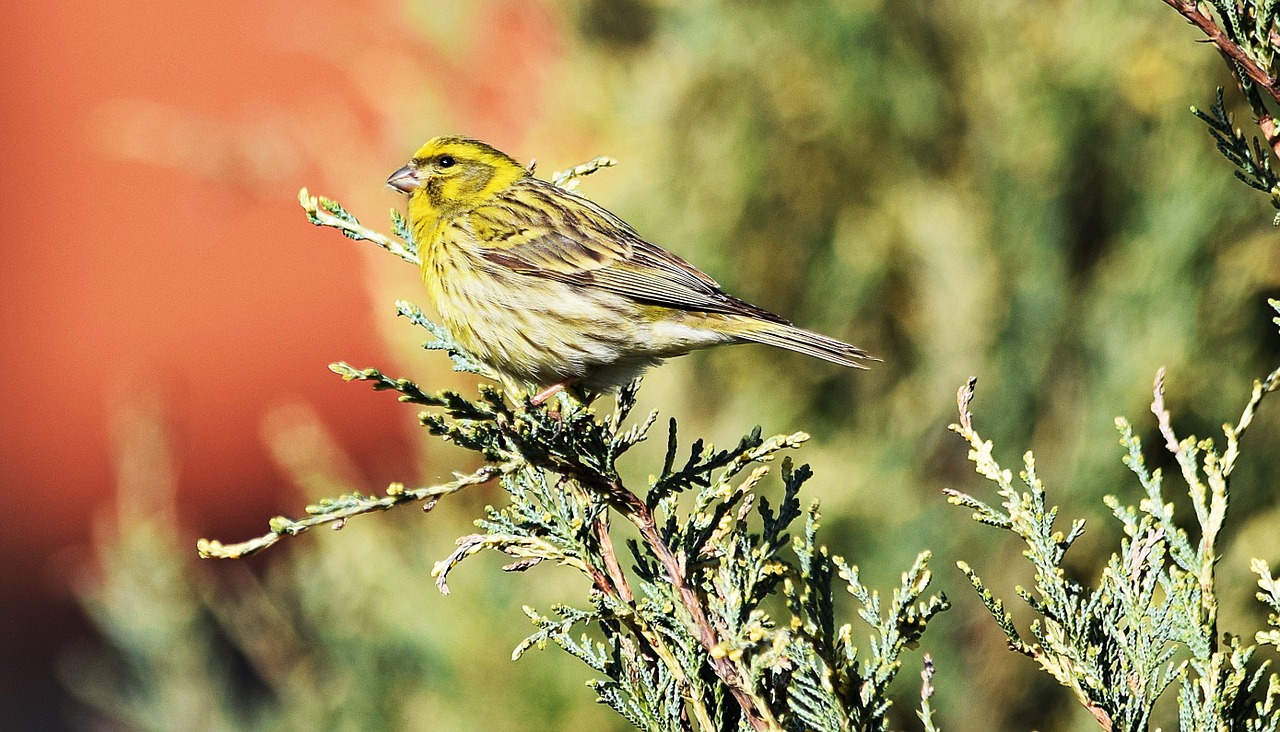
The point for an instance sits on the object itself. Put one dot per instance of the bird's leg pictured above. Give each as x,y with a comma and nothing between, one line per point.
541,397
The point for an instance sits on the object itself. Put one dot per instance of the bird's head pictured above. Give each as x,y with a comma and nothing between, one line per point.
455,173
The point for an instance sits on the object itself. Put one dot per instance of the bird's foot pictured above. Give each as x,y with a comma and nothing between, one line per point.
543,396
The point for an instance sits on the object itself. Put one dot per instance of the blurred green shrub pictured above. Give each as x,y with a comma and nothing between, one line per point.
1013,190
1151,621
998,188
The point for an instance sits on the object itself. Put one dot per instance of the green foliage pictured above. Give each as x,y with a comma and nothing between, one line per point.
1152,619
693,636
1252,160
330,638
1245,32
1006,189
987,190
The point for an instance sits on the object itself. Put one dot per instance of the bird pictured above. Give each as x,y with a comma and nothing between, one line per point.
550,289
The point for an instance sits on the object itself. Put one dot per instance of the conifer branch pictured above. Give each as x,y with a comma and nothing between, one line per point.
684,639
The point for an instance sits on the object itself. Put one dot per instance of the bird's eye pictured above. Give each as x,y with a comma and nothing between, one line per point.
446,161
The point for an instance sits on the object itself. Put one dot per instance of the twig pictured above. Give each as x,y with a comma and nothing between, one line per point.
635,509
1162,415
1260,389
926,693
337,512
964,397
525,548
1270,130
319,212
1190,10
618,579
568,179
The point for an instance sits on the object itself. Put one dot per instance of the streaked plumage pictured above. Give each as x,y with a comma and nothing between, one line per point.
549,288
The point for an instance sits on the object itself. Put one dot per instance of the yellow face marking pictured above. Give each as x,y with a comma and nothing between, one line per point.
458,174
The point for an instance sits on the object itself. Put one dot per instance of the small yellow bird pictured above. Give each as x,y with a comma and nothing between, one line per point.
548,288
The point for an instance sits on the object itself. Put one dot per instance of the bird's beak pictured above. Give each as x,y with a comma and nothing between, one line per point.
405,180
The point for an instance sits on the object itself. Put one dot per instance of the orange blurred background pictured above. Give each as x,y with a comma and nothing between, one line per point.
982,192
155,250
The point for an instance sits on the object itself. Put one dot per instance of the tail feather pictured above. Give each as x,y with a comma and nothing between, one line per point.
788,336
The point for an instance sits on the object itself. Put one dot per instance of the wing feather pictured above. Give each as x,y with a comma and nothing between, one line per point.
585,245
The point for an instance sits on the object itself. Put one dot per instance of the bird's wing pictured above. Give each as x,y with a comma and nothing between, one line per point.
548,232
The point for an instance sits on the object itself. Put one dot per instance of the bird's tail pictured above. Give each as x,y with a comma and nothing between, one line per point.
784,335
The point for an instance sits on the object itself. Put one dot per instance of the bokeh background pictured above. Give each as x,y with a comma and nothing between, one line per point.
1008,190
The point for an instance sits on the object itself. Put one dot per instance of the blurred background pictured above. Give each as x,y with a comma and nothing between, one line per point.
1009,190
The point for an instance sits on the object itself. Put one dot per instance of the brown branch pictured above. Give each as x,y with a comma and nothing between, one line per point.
1271,131
613,582
1189,9
601,581
1162,415
618,579
349,507
630,505
610,581
964,397
1100,714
